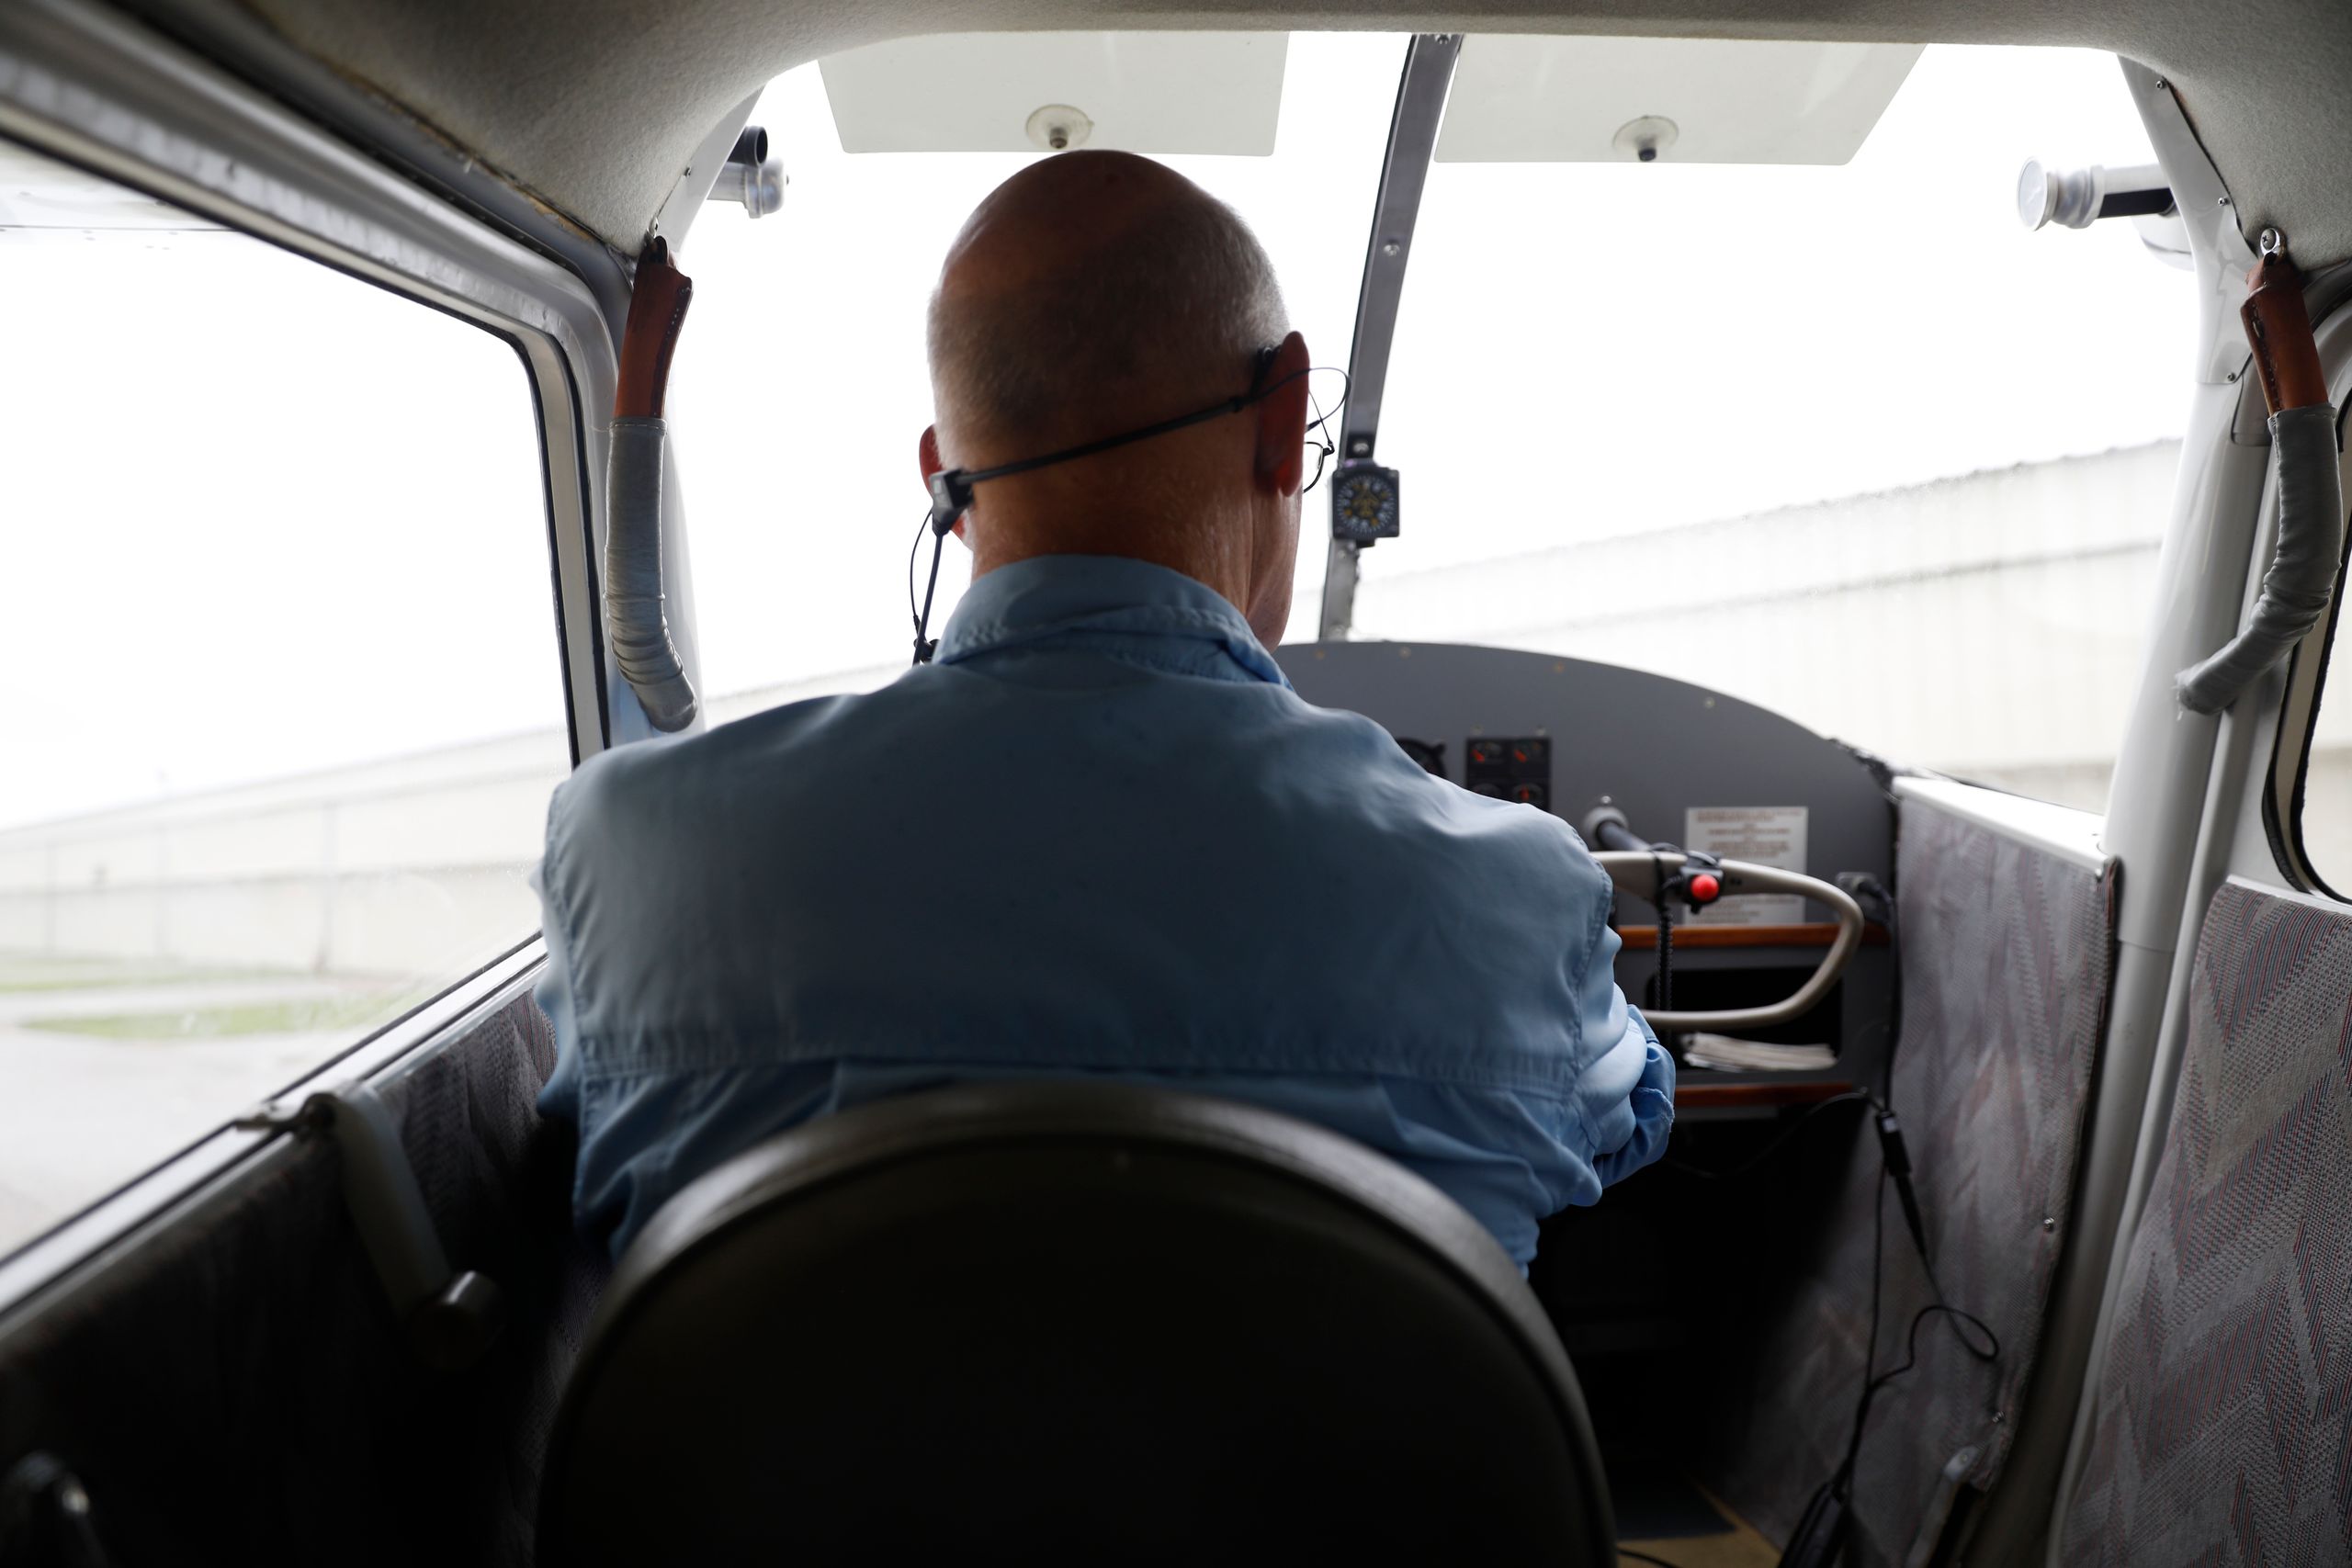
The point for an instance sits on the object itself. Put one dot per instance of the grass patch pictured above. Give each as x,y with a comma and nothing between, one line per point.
309,1015
29,972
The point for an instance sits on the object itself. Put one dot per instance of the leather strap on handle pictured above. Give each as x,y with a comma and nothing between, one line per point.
636,620
2300,581
657,309
2279,330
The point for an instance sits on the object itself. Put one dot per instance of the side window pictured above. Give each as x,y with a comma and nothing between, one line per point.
284,703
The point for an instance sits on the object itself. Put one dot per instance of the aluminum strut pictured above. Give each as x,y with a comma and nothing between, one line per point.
1412,138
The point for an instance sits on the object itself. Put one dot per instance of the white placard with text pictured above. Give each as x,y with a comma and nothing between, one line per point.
1762,835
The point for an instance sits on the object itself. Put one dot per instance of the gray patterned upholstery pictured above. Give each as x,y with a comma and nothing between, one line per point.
235,1389
2007,953
2221,1432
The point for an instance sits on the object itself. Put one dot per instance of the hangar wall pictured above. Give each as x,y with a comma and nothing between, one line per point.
1987,626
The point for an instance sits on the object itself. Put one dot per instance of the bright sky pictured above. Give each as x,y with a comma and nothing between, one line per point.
263,519
275,519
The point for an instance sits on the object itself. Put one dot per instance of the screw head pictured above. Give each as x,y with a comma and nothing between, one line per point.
2221,201
1390,248
2162,83
2048,1222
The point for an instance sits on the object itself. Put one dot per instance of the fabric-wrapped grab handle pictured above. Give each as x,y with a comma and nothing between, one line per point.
637,619
637,622
2301,576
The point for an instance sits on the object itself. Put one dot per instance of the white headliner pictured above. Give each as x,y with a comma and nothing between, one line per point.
594,106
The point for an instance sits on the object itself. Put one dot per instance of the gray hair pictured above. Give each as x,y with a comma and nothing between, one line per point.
1180,303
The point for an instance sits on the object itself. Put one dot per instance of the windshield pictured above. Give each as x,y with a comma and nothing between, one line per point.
800,386
1828,438
1823,438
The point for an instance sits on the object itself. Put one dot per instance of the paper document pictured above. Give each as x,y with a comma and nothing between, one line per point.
1726,1054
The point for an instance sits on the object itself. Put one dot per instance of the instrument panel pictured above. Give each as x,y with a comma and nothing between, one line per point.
1688,766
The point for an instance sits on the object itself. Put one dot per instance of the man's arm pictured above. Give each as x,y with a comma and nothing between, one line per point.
1627,1089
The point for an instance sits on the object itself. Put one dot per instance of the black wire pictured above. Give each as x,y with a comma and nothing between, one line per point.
1843,1482
924,647
1959,1317
1229,406
1893,1001
1873,1380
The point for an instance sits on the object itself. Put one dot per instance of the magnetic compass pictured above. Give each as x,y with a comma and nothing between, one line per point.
1363,503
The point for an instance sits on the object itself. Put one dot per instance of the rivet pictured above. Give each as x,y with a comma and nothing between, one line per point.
2221,201
2234,375
1389,247
2162,83
2048,1223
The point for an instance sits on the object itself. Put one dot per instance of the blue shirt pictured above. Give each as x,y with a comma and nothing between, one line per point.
1100,834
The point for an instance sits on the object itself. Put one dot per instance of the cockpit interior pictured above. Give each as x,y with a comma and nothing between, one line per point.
1876,478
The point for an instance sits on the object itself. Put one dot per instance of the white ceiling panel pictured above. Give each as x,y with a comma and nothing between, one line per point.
1159,91
1582,100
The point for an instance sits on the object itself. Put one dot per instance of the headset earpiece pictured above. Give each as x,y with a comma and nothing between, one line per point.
1261,365
951,496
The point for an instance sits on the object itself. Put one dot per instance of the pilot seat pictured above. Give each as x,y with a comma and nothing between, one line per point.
1064,1321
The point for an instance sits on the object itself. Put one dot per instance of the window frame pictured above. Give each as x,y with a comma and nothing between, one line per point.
94,89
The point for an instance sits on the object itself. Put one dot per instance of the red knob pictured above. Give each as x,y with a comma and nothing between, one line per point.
1705,889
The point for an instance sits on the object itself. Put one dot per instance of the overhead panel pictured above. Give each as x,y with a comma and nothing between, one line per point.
1615,100
1158,93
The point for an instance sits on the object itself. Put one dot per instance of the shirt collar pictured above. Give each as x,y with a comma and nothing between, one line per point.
1049,596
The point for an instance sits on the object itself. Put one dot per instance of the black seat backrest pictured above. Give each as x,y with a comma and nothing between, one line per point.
1066,1321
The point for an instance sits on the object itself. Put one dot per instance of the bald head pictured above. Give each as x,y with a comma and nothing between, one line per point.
1093,286
1093,294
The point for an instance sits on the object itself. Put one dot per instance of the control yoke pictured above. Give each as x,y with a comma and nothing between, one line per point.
1661,872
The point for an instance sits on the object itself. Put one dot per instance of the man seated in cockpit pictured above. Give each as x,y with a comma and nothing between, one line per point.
1099,834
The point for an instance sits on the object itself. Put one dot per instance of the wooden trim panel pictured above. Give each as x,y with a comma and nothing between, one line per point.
1639,939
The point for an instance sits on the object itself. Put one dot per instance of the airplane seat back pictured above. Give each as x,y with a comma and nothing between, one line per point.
2222,1408
1061,1321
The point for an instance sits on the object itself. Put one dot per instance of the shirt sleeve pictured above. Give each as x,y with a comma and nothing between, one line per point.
560,1096
1626,1092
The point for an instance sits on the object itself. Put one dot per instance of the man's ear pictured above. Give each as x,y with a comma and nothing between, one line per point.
927,454
1281,420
